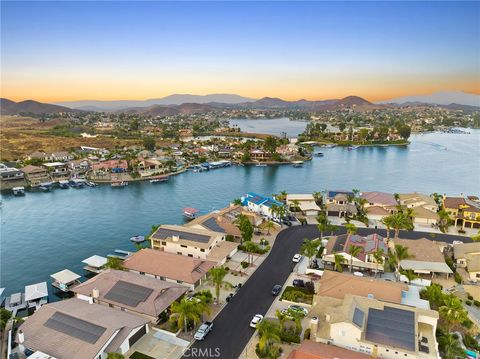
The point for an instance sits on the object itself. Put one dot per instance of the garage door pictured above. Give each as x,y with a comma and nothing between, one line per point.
133,339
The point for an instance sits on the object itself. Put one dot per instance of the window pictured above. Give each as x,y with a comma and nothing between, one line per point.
190,255
164,243
179,253
162,278
202,250
183,246
179,282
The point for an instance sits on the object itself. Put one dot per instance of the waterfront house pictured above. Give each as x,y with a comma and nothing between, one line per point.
306,204
36,295
10,173
427,257
380,199
57,170
340,204
261,205
314,350
36,175
287,151
147,167
467,255
76,329
463,212
424,207
132,292
80,166
114,166
193,242
169,267
364,260
259,155
374,327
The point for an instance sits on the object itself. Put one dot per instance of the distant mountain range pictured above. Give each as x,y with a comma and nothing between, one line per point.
439,98
9,107
94,105
174,104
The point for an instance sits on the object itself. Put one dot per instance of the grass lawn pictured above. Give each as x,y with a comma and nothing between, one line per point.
299,295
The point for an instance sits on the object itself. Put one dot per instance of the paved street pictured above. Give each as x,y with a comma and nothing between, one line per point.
231,331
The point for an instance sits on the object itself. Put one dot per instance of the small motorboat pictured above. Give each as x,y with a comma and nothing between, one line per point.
119,184
138,239
159,179
297,164
261,165
190,213
91,184
63,184
318,154
18,191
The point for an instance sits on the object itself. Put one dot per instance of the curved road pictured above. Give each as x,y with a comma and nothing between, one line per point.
231,330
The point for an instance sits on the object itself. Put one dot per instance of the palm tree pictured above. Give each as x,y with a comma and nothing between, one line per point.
309,248
216,277
250,247
398,221
317,196
295,205
450,346
378,257
185,311
433,293
269,225
388,222
410,275
269,333
339,262
282,196
237,202
353,251
396,255
351,228
452,311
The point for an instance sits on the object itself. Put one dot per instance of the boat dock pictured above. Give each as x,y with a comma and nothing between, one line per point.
34,296
121,254
95,264
65,280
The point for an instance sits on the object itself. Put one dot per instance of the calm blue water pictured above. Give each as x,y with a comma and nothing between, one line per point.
42,233
271,126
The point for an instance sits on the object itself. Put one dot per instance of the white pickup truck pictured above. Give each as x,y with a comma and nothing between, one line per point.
204,329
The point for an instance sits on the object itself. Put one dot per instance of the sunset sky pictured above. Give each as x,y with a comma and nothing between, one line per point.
59,51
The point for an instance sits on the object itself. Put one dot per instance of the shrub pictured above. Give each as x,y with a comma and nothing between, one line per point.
227,269
455,336
310,287
450,263
470,297
462,231
476,303
306,334
298,295
470,342
290,335
467,323
320,251
468,302
244,264
458,278
229,238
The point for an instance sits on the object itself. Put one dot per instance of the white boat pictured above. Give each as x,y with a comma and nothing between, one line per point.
159,179
297,163
190,213
138,239
18,191
63,184
261,165
119,184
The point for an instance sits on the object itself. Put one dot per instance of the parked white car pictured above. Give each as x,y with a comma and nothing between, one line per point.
297,258
256,319
203,330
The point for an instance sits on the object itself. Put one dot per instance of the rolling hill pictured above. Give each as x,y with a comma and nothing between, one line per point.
9,107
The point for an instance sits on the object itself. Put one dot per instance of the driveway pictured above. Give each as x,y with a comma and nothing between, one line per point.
231,331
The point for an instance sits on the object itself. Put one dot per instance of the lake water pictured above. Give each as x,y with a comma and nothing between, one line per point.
42,233
271,127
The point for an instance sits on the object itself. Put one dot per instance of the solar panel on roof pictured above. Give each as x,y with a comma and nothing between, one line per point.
391,326
75,327
163,233
212,224
358,316
128,293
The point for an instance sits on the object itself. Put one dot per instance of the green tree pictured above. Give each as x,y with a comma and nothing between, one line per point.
216,276
245,226
444,220
269,335
410,275
309,249
5,316
149,143
450,346
351,229
378,257
115,356
270,144
476,237
269,225
398,221
353,251
237,202
433,293
452,311
187,311
396,255
114,263
339,262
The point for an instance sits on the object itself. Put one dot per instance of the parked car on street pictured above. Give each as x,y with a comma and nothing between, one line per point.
203,330
277,288
287,222
256,319
297,258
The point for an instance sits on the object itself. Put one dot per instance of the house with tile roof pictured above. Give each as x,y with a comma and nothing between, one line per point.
132,292
424,207
467,255
315,350
340,203
170,267
261,205
463,212
76,329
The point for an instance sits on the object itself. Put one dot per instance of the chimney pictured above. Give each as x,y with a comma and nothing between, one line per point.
313,328
95,293
21,337
175,238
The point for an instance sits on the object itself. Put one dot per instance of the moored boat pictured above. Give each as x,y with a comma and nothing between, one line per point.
297,163
119,184
159,179
190,213
63,184
138,239
261,165
18,191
